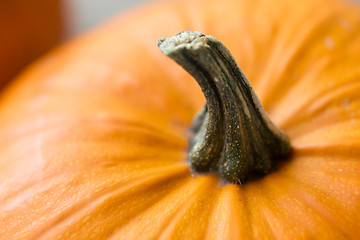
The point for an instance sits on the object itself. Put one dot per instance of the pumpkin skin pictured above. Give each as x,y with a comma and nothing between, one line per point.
93,138
28,30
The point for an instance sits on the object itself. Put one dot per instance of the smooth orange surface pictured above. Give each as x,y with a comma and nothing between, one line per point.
93,138
28,29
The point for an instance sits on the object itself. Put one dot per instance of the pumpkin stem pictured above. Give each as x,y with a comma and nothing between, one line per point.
232,133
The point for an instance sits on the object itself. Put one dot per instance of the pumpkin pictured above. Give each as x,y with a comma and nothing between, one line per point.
28,30
94,138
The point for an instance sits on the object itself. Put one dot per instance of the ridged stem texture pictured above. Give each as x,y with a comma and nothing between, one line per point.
233,135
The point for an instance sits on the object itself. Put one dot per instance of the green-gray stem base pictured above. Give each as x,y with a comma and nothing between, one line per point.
232,133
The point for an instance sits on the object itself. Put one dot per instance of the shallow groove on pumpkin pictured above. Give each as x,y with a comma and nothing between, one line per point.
343,124
285,199
281,58
340,170
230,204
170,211
341,190
345,129
191,221
83,213
65,149
325,27
66,124
319,202
277,204
303,82
260,225
334,151
319,103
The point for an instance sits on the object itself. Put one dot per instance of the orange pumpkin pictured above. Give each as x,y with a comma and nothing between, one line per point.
93,139
28,30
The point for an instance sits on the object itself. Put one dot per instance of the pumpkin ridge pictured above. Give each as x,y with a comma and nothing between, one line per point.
345,134
17,131
332,25
148,129
186,208
259,223
319,103
285,195
172,172
318,180
274,214
290,50
231,204
319,201
168,174
32,129
326,85
167,215
27,188
280,85
328,150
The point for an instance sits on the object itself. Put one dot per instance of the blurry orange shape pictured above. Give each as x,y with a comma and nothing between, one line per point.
28,28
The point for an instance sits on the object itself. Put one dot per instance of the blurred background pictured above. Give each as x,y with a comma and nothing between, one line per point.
30,28
85,14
